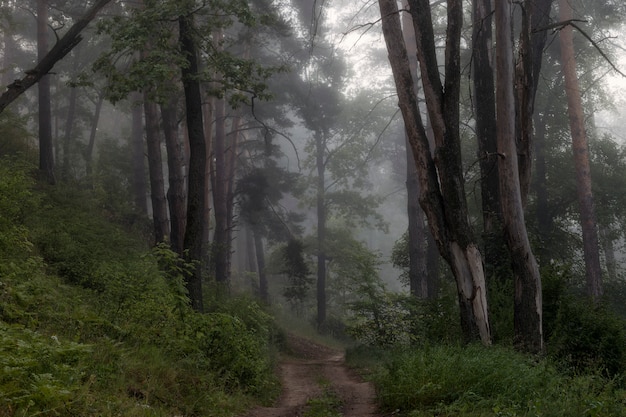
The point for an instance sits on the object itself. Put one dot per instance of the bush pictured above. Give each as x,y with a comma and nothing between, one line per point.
589,338
37,372
479,381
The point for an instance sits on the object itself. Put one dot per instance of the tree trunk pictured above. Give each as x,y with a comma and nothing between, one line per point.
528,303
580,149
207,111
155,167
140,188
496,258
197,161
260,258
418,267
321,228
442,190
88,155
609,252
176,197
46,151
532,39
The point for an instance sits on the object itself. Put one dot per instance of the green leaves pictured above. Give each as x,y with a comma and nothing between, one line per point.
38,372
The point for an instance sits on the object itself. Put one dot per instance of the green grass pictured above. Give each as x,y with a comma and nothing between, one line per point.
328,404
479,381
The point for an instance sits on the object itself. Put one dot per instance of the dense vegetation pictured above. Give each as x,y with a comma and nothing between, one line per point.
95,323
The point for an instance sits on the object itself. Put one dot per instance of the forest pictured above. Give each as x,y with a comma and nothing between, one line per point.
208,205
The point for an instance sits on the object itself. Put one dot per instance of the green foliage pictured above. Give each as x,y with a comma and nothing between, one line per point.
150,29
479,381
326,405
390,320
298,273
38,373
101,326
589,338
15,140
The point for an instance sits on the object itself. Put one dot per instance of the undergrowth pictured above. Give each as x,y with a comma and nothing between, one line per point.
95,323
479,381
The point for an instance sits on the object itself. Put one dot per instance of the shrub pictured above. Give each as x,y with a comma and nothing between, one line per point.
38,372
589,338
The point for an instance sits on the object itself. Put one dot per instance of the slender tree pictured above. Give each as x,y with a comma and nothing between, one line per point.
197,159
580,148
528,301
441,178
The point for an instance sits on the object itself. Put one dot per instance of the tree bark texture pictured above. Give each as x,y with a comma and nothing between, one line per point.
528,302
532,40
155,168
496,258
176,196
197,161
47,61
46,150
418,267
442,191
591,248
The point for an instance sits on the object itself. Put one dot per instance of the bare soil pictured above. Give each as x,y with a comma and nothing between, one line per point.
302,371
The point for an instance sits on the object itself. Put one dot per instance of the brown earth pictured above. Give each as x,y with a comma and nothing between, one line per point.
302,371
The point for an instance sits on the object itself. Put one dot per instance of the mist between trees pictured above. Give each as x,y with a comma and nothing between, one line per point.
369,167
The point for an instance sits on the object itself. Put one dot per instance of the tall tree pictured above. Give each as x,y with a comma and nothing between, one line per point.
155,168
580,148
197,159
422,279
528,301
441,178
176,193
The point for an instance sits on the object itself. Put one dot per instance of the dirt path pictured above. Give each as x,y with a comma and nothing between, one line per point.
305,372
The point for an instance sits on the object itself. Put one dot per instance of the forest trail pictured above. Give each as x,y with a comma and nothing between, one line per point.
308,371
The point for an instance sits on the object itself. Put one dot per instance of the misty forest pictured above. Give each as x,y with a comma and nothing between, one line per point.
315,208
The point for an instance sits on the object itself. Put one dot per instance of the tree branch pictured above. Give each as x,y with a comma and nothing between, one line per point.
58,52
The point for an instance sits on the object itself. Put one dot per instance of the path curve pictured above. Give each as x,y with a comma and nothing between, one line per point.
301,373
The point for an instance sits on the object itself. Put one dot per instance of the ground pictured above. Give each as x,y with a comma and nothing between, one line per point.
306,370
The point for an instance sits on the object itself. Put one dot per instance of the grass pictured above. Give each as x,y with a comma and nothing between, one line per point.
328,404
478,381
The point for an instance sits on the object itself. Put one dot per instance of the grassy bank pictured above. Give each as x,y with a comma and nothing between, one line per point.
94,323
478,381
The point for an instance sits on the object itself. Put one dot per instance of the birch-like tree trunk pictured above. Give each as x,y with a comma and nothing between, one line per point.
418,267
528,302
442,194
580,149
